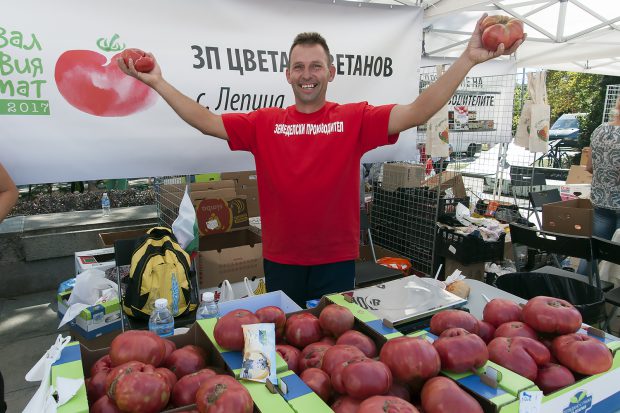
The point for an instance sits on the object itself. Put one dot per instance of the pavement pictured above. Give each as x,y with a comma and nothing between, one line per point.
28,327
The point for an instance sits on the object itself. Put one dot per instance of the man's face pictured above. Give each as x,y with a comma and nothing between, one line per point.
308,74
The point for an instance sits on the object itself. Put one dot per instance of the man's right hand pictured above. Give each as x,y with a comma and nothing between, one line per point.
149,78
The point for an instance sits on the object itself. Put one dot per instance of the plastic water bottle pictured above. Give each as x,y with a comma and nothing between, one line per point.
105,204
208,307
161,321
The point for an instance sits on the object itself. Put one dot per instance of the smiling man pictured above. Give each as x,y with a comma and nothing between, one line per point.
308,159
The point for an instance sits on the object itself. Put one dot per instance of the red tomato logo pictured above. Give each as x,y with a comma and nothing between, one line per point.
93,84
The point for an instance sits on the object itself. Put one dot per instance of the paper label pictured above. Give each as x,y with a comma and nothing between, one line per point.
530,401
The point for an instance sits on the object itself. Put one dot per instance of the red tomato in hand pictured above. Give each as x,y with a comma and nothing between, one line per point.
302,329
94,85
141,61
551,315
500,29
582,354
336,319
228,332
223,393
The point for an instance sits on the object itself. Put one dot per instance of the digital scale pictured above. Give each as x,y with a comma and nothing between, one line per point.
406,303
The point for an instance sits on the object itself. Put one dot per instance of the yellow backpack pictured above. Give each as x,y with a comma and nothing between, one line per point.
160,268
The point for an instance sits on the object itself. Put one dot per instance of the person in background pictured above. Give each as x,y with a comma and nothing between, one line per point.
8,193
605,167
8,199
307,160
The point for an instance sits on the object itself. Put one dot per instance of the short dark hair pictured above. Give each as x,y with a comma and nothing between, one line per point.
310,39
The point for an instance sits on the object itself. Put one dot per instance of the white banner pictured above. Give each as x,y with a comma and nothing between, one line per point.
67,113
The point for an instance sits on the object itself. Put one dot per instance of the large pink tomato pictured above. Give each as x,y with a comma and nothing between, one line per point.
141,392
446,319
390,404
137,345
460,351
519,354
582,354
442,395
500,310
336,319
275,315
302,329
500,29
551,315
228,332
223,394
411,360
94,85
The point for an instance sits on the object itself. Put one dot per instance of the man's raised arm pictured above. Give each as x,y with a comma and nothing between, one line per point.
439,93
189,110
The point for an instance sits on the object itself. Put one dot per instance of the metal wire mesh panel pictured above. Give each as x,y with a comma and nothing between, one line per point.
495,173
169,192
611,96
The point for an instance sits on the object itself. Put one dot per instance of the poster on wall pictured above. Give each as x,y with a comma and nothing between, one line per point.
68,113
480,111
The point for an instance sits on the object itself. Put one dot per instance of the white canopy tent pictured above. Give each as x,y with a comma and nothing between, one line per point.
571,35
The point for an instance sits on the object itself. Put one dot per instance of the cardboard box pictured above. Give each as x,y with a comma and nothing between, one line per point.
107,238
229,256
573,217
598,393
219,215
474,271
233,359
402,175
94,321
100,259
251,194
299,398
246,183
76,359
446,180
242,179
586,155
575,191
578,175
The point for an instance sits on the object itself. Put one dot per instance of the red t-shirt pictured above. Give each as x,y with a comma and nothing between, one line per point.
308,173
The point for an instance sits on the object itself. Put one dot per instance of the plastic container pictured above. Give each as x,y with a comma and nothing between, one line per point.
588,299
208,307
105,204
161,321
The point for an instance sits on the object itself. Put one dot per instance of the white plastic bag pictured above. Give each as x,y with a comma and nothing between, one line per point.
183,226
540,112
226,292
437,130
43,400
89,286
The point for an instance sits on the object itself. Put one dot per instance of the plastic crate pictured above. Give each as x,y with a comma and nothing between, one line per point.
467,249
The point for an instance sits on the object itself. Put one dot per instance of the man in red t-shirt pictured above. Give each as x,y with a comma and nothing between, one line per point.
308,158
